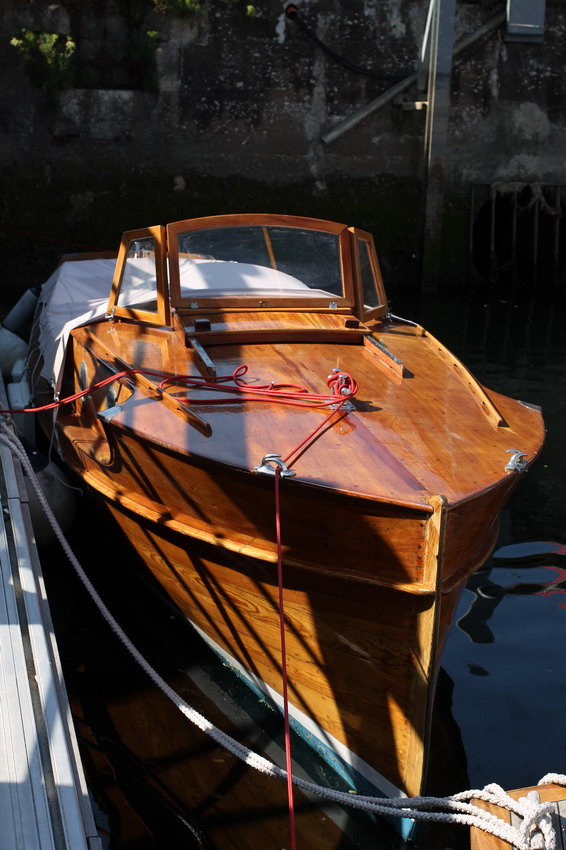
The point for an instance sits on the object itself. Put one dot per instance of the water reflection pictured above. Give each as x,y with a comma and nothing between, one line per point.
160,781
505,652
488,594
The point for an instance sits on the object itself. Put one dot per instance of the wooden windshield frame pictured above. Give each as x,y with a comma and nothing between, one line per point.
332,303
367,314
162,314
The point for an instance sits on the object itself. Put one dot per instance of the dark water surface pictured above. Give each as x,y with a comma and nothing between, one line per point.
506,651
504,664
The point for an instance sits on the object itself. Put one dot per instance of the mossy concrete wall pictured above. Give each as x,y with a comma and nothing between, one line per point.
227,114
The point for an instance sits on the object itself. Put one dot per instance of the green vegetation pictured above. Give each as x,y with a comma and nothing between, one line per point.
188,7
181,7
48,56
53,61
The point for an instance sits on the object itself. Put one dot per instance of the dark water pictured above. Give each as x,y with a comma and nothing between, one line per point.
504,664
505,653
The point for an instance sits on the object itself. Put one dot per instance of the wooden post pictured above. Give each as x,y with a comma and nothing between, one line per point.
439,49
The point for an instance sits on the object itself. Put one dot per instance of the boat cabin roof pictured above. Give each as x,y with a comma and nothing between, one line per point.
254,262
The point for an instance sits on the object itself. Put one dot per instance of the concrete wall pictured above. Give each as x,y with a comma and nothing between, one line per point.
229,115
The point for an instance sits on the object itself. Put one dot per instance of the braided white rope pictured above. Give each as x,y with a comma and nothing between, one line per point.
536,831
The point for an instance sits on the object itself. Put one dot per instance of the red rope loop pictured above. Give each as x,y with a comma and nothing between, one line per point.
341,384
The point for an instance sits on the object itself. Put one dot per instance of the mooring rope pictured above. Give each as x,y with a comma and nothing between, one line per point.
536,831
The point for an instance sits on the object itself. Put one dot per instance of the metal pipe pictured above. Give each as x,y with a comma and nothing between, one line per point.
536,222
358,116
558,211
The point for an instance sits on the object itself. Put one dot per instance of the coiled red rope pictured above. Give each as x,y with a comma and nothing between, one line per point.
341,384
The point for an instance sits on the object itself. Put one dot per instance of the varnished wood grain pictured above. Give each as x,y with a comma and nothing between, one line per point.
241,321
235,806
361,671
370,518
359,527
394,503
399,443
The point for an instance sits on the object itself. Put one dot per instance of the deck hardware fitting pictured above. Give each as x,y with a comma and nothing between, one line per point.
343,405
530,406
343,384
202,324
517,462
111,316
384,350
332,305
194,305
344,390
107,414
267,469
200,352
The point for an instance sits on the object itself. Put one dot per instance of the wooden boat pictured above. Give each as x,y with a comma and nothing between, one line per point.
392,505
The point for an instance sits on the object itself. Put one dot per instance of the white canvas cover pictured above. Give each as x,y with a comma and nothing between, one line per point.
222,277
77,294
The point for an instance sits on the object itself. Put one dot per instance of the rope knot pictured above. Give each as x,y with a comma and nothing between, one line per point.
341,383
536,831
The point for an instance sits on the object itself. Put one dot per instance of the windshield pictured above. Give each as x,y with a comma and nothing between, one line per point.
253,258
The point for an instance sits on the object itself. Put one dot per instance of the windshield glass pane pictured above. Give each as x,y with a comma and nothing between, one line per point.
368,280
278,260
139,281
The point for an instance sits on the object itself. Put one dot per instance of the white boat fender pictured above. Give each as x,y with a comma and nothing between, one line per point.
22,311
19,397
58,491
18,372
12,348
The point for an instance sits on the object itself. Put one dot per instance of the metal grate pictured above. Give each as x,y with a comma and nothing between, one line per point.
517,236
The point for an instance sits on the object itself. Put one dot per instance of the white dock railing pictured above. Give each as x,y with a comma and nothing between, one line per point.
44,802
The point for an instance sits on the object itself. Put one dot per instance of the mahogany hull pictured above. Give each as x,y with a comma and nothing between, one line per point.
396,497
370,586
362,653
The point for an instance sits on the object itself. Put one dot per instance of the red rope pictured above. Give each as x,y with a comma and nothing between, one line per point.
314,432
99,385
292,394
343,386
288,761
